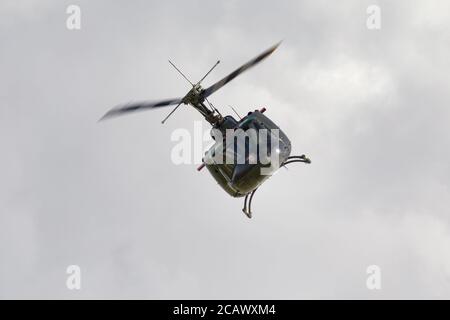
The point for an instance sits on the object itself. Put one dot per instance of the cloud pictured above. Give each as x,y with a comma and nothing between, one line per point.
368,107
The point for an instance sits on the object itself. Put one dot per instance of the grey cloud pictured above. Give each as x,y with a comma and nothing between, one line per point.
368,107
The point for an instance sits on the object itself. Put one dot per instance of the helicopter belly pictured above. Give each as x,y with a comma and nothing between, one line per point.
248,182
250,179
223,180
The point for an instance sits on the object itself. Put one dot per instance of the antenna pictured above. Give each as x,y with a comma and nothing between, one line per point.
181,73
212,107
235,112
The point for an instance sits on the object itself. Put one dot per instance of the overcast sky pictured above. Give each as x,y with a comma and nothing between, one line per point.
369,107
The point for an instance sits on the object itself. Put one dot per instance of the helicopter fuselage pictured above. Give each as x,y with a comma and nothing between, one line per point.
239,178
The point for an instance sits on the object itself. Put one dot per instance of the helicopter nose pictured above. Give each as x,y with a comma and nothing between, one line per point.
284,151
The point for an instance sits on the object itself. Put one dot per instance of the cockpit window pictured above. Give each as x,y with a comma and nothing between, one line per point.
250,149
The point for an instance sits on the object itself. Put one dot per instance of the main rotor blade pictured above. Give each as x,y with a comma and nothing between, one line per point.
138,106
208,91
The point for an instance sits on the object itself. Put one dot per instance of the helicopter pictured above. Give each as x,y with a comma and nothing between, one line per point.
239,168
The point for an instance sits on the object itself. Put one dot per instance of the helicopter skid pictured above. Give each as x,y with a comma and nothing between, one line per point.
249,196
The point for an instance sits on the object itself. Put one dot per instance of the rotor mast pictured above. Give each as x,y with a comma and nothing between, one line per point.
195,98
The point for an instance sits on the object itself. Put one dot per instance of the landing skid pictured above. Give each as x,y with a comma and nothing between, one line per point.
292,159
248,204
248,198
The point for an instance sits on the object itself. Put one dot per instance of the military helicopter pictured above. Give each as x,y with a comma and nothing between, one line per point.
238,179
